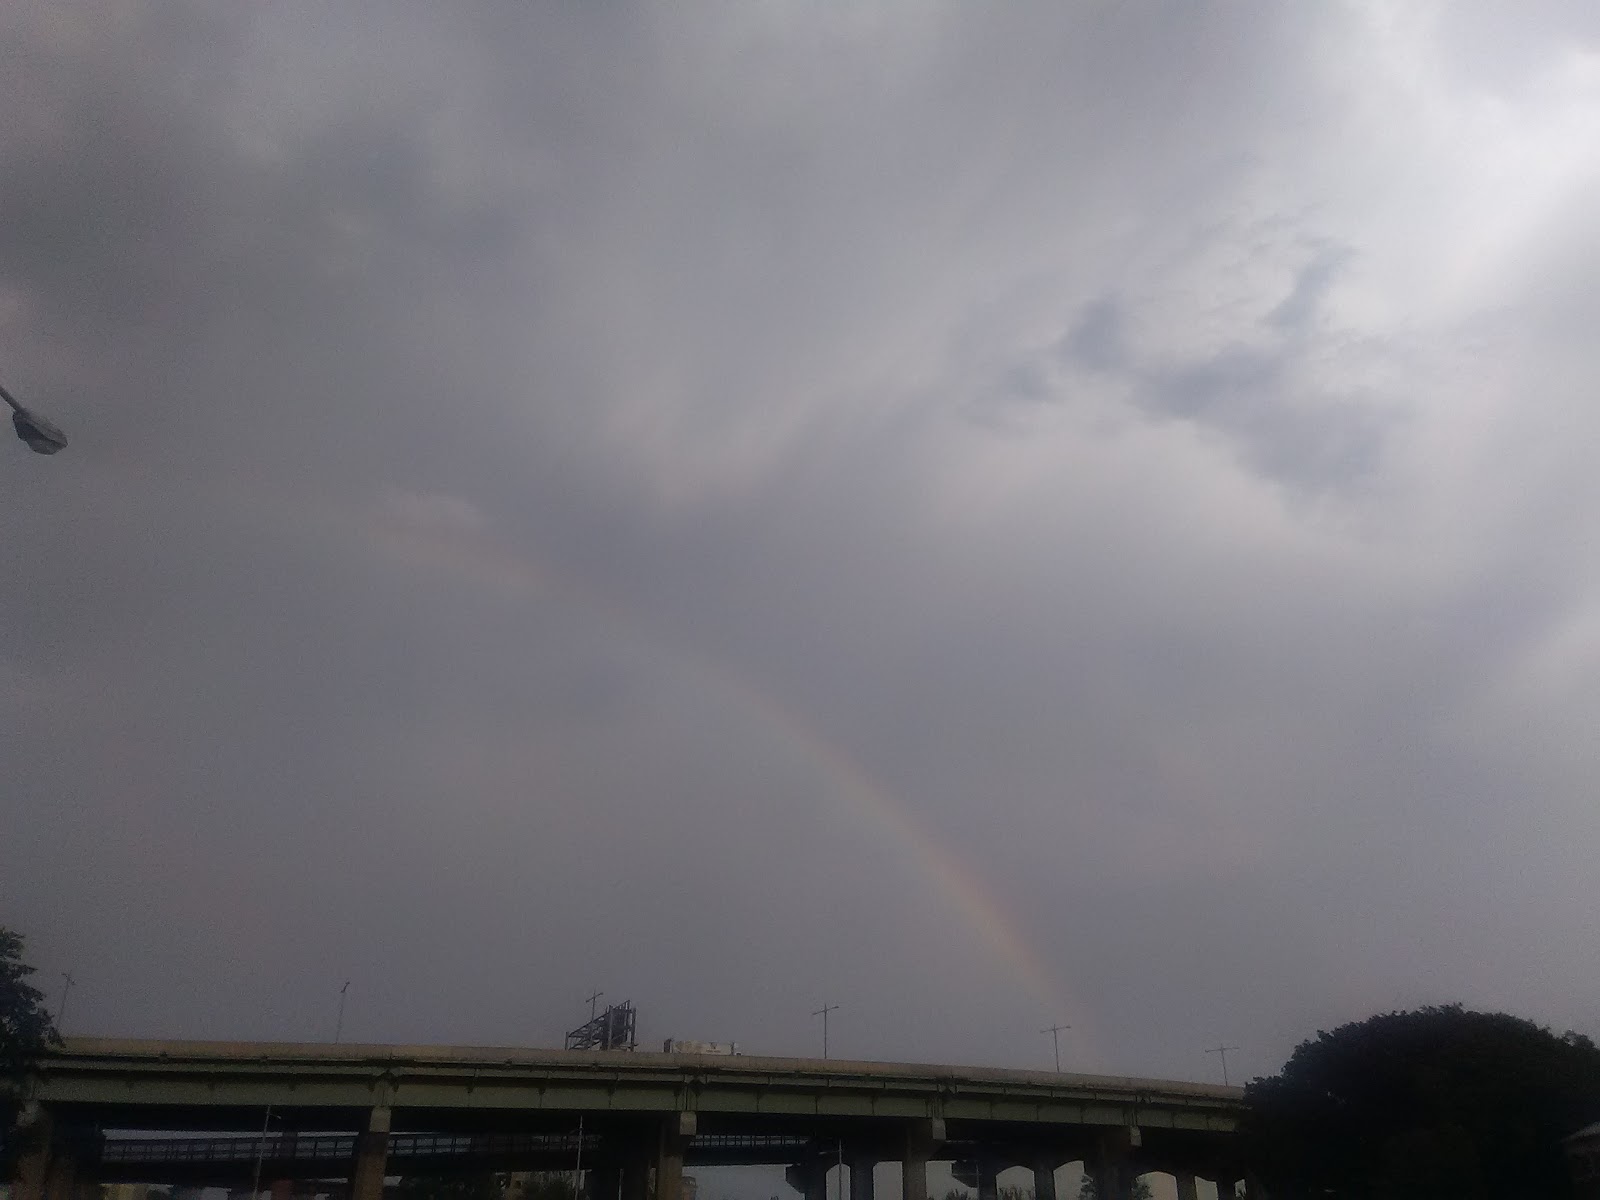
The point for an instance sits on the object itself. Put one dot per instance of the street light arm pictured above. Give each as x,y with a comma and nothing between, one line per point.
40,435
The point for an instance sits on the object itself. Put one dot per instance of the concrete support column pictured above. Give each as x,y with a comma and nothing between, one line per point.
635,1179
282,1189
1111,1180
921,1137
372,1157
1111,1167
62,1176
1225,1185
33,1163
605,1181
861,1183
635,1151
1186,1188
669,1154
809,1178
1044,1179
988,1179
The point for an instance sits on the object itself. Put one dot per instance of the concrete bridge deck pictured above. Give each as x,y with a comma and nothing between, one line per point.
642,1114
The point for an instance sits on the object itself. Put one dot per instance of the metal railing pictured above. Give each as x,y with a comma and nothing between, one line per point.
276,1147
341,1147
286,1147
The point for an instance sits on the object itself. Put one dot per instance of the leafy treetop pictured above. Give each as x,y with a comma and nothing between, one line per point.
25,1026
1440,1102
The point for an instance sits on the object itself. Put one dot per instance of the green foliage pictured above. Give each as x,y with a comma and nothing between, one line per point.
1440,1102
25,1032
1088,1191
479,1186
487,1185
1005,1193
549,1185
25,1027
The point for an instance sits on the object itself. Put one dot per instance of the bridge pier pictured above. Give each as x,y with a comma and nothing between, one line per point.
1186,1188
861,1181
48,1167
1044,1179
809,1178
605,1181
669,1154
921,1137
1111,1165
61,1181
372,1157
988,1178
33,1164
636,1177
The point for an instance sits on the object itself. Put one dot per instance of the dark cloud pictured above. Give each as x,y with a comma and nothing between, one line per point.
1254,398
1095,340
1305,300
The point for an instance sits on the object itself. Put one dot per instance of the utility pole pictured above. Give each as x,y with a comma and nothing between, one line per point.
1055,1041
823,1013
261,1152
1223,1051
594,999
338,1027
577,1170
66,988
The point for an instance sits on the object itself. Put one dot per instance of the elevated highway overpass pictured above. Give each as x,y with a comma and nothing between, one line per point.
364,1112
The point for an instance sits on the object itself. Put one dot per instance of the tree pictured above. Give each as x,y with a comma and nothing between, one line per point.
1441,1102
26,1031
25,1027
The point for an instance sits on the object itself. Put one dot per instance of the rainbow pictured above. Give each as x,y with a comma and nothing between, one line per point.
958,884
496,565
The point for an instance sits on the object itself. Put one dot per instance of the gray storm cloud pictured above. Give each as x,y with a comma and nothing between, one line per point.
986,516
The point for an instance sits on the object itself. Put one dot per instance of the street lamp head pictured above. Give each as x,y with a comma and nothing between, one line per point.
41,436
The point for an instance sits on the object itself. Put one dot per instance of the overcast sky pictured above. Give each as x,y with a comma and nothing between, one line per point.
987,515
